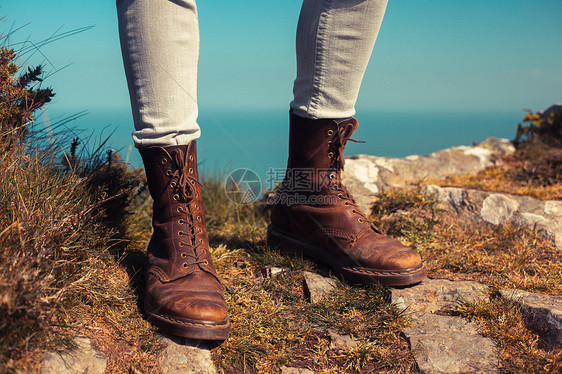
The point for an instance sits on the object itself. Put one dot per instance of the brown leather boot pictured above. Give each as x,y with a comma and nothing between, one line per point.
183,292
314,214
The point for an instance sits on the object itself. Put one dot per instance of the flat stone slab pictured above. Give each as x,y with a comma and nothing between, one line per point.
317,287
542,312
434,295
84,359
340,342
443,343
185,356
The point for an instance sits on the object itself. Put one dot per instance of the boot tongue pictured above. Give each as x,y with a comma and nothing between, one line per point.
345,130
184,186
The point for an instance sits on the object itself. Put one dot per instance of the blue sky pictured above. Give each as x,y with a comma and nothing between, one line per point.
439,55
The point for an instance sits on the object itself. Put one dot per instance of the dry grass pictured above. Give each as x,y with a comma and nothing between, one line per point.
61,269
521,350
73,231
274,324
499,256
535,170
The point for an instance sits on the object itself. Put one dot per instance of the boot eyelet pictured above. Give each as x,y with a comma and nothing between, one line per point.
330,132
340,196
331,154
199,230
191,170
176,197
180,233
332,176
329,142
192,182
353,211
360,220
169,173
185,265
201,241
190,157
346,203
206,262
179,209
181,221
173,184
199,218
164,161
183,254
203,252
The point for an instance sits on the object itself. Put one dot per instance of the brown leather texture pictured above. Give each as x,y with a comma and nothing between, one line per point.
316,215
183,292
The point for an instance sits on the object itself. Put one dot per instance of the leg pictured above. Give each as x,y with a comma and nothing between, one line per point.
334,42
160,43
335,39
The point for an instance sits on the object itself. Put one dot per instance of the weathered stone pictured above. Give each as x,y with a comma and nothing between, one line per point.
553,208
272,271
433,295
184,356
366,175
83,359
542,312
498,208
290,370
340,342
316,287
443,344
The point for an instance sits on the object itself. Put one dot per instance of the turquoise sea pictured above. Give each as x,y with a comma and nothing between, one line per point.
258,140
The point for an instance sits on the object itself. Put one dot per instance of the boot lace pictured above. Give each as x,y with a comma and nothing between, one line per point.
183,182
336,153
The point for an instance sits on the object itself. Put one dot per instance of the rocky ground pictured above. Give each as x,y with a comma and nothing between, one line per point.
440,338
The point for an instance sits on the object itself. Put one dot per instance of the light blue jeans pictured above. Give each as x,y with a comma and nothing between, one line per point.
335,39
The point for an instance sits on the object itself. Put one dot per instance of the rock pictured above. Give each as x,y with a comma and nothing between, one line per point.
316,287
366,175
542,312
553,208
340,342
184,356
496,208
289,370
83,359
434,295
272,271
443,344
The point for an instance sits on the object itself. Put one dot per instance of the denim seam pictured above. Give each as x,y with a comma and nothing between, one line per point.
319,60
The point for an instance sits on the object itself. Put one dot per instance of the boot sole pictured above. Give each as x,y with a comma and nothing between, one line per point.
355,274
186,328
